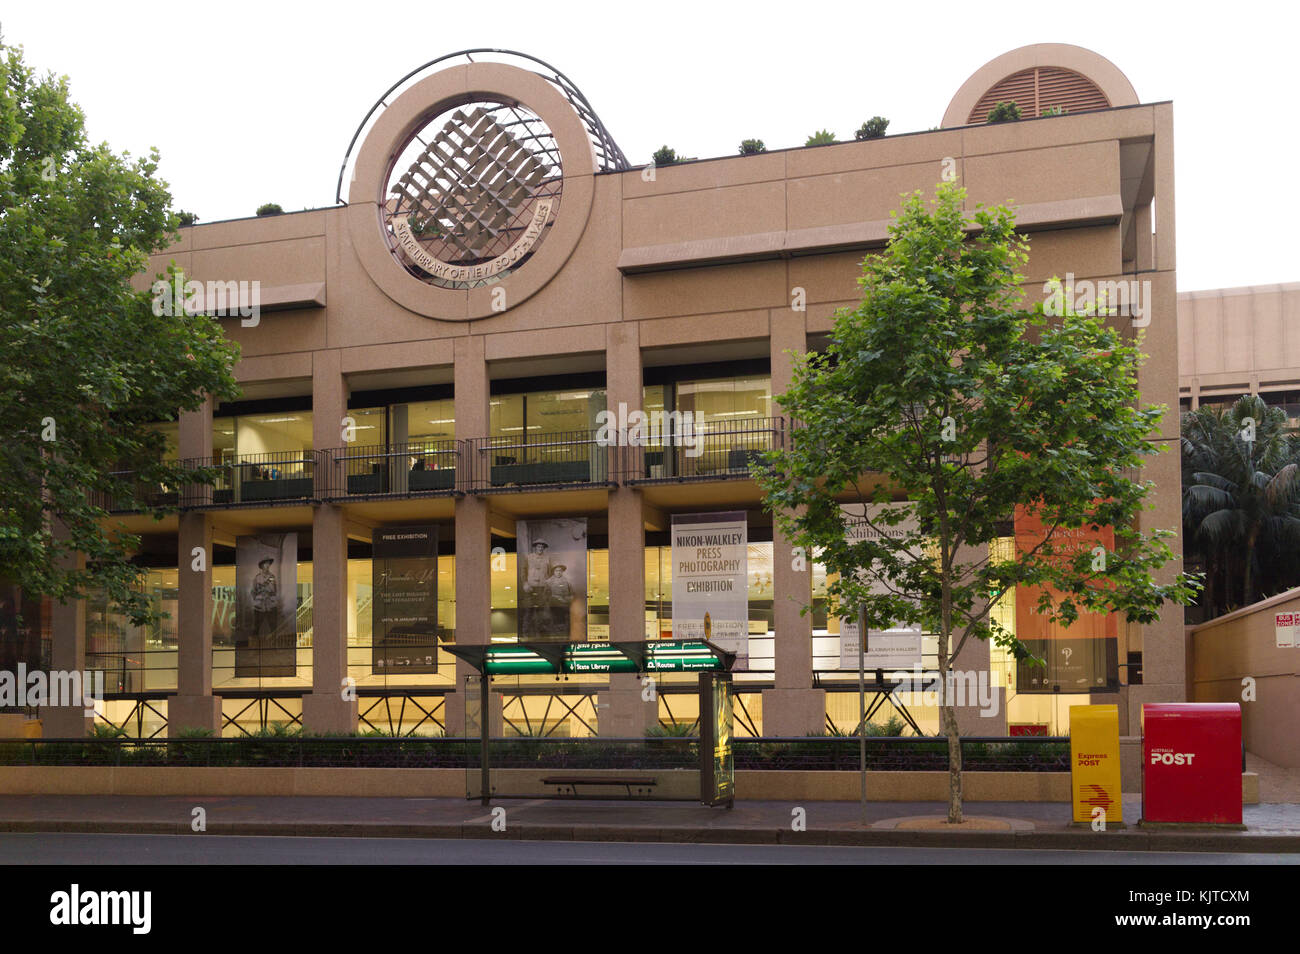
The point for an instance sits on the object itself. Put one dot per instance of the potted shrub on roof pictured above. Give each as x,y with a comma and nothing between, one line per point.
270,208
664,156
873,128
752,147
1004,113
823,137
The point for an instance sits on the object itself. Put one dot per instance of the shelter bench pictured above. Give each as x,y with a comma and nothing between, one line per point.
627,782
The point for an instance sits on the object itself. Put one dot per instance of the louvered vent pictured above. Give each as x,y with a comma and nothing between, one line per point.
1040,88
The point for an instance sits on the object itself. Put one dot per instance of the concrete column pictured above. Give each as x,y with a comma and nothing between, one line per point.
623,712
325,709
194,706
983,710
67,653
1163,643
473,529
793,707
1145,248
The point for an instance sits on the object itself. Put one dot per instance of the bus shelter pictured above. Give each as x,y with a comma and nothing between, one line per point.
657,768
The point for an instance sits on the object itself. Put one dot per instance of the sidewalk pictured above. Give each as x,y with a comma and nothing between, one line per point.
1270,827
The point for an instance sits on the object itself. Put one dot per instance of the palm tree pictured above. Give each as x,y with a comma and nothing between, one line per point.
1241,498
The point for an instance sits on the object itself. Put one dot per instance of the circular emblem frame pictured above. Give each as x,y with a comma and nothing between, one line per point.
389,137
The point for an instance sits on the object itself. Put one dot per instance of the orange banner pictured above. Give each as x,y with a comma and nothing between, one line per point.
1030,532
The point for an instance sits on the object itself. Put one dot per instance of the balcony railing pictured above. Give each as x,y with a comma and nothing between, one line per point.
540,460
143,494
711,451
277,477
415,468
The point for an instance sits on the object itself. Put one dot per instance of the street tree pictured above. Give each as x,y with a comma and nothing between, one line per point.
940,410
86,366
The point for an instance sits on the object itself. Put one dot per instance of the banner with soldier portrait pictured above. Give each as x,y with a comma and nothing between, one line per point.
266,605
552,570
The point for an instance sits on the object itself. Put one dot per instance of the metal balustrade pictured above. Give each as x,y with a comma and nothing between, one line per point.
413,468
142,495
562,458
709,451
257,479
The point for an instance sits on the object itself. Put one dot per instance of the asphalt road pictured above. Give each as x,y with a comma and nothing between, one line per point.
79,849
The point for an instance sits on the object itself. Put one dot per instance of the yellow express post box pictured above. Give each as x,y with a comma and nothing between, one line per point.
1094,763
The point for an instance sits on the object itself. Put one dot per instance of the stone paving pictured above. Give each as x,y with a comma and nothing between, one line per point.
1270,827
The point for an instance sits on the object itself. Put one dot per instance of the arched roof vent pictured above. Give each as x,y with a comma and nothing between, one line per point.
1038,78
1040,88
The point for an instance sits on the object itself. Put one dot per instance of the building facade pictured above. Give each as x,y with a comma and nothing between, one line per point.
497,283
1236,341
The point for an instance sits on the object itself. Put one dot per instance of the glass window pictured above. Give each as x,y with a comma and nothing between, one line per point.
171,432
247,434
429,420
544,412
370,425
718,401
135,658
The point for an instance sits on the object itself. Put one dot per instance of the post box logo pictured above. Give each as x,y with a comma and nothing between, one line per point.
1167,757
1098,797
476,201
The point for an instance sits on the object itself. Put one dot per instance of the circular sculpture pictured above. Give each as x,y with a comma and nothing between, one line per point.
472,194
454,202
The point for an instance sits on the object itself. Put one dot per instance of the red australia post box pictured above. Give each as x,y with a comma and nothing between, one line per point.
1191,762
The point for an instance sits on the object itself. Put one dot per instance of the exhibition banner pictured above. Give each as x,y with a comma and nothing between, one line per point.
710,553
1081,657
404,610
552,577
266,605
894,647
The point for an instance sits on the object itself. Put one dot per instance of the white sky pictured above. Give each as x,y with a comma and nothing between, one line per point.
255,102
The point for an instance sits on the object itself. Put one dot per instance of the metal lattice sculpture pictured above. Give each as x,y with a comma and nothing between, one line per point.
471,182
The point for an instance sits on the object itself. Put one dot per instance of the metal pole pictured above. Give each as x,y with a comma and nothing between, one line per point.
862,706
485,721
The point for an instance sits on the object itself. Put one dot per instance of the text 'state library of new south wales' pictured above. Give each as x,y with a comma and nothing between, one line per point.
416,467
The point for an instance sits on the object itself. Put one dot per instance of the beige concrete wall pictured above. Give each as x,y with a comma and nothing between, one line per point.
1237,340
1235,658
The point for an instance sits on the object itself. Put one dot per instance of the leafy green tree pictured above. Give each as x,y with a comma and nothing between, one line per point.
270,208
85,363
873,128
823,137
940,391
752,147
1241,500
1006,112
665,156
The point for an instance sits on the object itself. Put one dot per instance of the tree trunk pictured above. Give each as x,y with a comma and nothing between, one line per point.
1250,562
948,725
